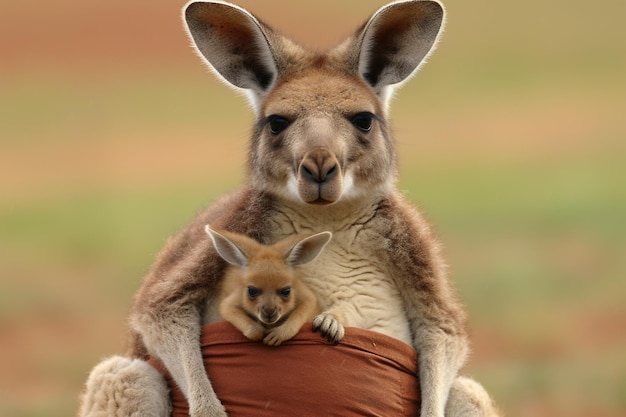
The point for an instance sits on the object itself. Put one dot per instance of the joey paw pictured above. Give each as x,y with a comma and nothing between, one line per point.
254,333
279,334
329,327
273,339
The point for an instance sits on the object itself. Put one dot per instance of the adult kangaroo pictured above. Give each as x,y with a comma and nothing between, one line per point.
321,157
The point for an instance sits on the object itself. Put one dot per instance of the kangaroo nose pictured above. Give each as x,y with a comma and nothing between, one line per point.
319,166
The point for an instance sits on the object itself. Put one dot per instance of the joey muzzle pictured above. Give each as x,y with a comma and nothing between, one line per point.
268,314
319,177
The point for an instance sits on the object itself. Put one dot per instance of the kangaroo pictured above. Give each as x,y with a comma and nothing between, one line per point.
261,293
321,157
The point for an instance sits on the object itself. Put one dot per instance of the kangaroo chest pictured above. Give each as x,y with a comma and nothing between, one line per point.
352,273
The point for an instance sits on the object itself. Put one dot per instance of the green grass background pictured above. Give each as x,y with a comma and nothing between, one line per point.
512,139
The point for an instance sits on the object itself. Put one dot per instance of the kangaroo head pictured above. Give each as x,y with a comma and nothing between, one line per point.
321,134
266,272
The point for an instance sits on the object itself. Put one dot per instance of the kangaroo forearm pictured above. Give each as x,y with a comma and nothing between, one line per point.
440,356
174,338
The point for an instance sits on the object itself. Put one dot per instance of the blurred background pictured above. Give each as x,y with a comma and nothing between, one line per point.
512,139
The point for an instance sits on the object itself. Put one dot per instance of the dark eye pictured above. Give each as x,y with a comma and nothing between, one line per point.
285,292
363,121
277,124
253,292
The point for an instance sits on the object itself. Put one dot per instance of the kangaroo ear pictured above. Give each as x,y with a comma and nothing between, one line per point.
234,44
395,42
226,248
307,249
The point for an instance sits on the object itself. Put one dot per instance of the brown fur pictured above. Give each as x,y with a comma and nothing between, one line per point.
315,164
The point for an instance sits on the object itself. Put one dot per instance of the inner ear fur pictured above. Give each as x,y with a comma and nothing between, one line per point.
234,248
249,55
234,43
302,249
396,40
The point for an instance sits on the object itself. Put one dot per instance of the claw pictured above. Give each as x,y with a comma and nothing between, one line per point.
272,340
329,327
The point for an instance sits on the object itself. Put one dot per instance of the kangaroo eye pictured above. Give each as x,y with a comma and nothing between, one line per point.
363,121
253,292
277,124
285,292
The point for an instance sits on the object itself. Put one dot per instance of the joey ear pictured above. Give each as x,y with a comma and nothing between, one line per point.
396,41
307,249
234,44
226,248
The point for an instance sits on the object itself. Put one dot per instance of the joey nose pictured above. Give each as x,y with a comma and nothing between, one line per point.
270,314
319,166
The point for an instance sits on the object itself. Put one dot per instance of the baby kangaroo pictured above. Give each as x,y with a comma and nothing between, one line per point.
262,294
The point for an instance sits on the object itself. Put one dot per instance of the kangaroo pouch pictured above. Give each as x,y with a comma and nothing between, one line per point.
367,374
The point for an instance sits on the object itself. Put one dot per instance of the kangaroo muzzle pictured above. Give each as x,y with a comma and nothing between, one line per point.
320,180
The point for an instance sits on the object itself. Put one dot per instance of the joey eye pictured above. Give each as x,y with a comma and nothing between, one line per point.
363,121
277,124
284,292
253,292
